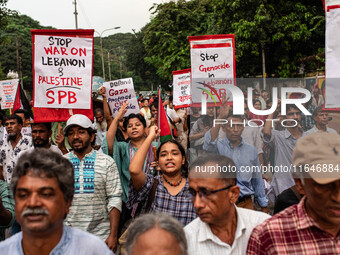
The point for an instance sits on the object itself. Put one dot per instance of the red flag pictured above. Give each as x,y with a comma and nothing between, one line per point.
162,121
21,102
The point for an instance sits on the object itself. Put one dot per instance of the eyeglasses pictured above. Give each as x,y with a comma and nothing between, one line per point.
204,193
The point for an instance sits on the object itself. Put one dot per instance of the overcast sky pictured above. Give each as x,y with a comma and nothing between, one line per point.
96,14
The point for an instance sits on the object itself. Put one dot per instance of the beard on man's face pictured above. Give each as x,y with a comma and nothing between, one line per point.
12,136
40,143
83,147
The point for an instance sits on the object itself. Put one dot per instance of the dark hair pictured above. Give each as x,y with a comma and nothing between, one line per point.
1,117
46,163
48,125
291,106
185,166
255,101
13,117
317,110
98,110
145,99
24,111
132,116
219,160
236,116
154,104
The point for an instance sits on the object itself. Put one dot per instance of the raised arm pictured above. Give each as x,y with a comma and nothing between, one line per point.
111,133
185,123
106,108
267,129
137,162
223,114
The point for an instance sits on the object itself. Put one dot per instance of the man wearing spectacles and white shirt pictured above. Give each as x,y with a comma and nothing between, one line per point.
222,228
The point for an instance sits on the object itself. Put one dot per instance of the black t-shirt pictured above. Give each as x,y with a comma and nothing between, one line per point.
286,199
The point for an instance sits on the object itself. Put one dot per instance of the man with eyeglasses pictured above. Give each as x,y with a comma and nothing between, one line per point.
222,228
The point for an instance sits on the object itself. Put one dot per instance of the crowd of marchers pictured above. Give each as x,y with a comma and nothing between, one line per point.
110,186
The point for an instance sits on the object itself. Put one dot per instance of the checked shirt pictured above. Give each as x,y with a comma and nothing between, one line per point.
292,231
178,206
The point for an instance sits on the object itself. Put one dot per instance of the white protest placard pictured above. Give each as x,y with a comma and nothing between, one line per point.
212,56
120,91
63,69
181,88
332,55
212,67
8,90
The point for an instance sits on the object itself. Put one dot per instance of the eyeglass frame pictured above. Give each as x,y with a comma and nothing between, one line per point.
210,192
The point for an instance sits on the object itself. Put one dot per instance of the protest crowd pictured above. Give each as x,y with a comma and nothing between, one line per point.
119,185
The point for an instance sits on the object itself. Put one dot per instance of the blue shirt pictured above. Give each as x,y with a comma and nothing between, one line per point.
283,143
73,241
244,156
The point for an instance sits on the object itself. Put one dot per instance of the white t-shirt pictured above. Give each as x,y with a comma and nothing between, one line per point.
171,113
52,148
202,241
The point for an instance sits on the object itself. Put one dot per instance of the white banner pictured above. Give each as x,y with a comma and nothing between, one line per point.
332,56
62,71
212,57
181,86
212,67
8,90
120,91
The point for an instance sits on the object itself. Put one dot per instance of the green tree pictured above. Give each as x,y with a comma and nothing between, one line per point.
4,13
165,37
2,74
284,30
19,27
144,74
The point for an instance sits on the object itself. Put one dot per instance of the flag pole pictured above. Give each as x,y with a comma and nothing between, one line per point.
159,115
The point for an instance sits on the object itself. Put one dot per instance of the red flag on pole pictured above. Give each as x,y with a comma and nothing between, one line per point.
21,102
162,121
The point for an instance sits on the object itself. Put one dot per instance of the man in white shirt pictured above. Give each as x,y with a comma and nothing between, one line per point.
12,145
25,116
41,134
321,122
170,111
317,98
97,200
222,228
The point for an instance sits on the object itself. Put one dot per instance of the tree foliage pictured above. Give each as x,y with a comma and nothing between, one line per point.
19,27
4,13
286,30
165,37
145,74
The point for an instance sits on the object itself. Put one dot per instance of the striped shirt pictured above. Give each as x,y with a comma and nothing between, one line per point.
97,192
201,240
292,231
